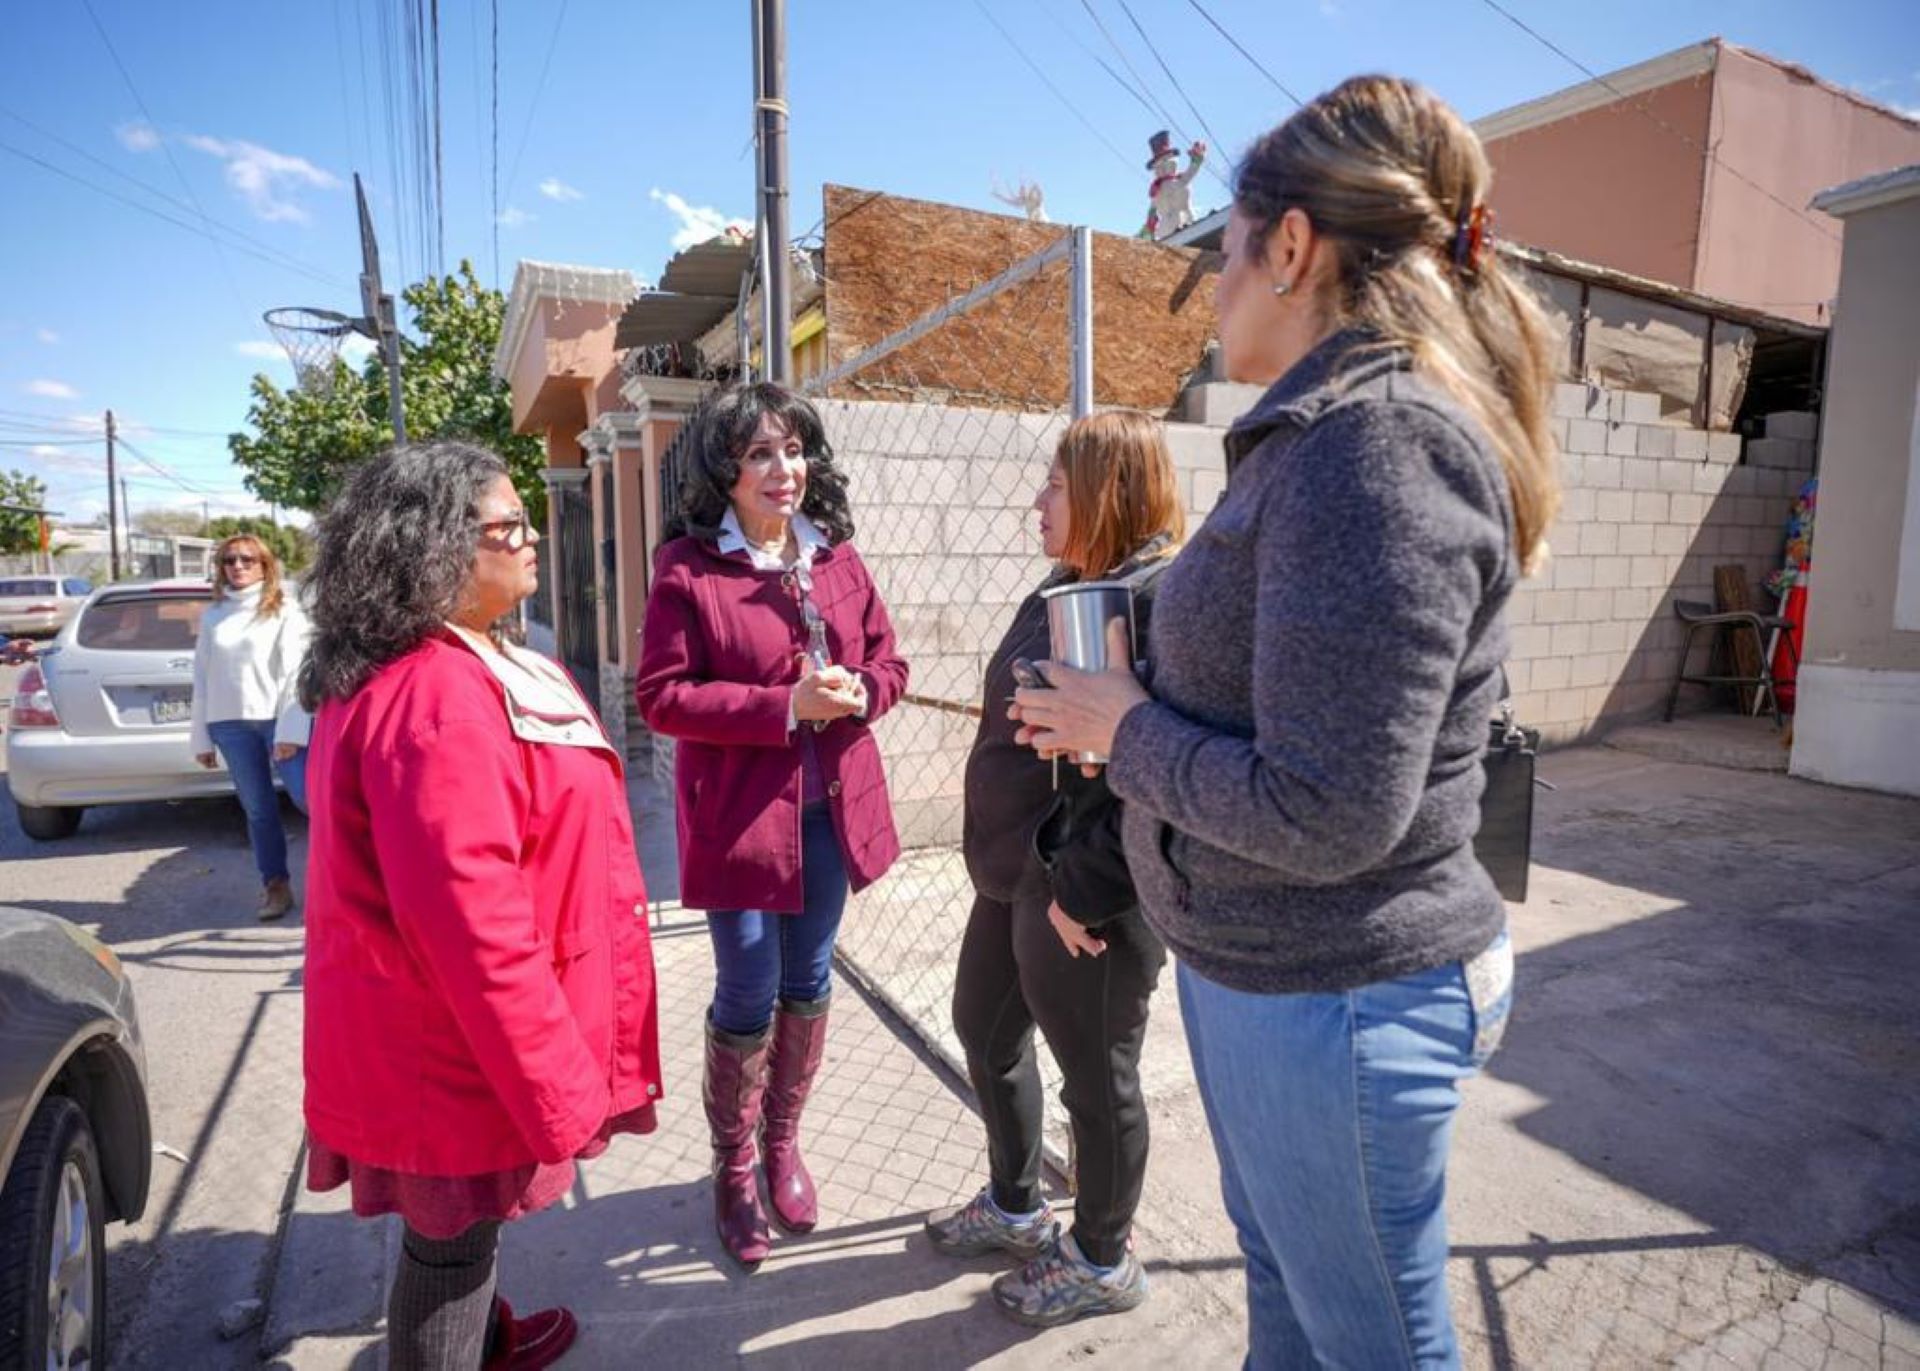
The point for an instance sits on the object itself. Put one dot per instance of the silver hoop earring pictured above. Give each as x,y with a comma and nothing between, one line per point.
1282,288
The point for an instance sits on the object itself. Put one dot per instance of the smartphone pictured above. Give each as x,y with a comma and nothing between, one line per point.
1027,676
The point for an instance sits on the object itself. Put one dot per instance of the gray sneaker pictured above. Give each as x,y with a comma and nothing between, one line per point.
979,1226
1062,1286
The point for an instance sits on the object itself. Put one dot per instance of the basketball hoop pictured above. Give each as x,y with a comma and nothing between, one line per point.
313,339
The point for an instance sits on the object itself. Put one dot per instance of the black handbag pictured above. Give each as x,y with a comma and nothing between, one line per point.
1504,843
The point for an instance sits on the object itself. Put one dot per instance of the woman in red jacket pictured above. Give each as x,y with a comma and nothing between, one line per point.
767,654
479,981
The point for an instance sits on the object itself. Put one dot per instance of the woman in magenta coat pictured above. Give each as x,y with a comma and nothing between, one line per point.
767,654
479,981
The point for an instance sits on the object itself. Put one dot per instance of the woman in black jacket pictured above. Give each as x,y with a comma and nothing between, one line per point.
1056,937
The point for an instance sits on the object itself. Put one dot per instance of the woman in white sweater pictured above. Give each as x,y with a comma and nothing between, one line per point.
246,668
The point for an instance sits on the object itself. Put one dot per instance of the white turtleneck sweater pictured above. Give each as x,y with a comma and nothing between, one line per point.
248,667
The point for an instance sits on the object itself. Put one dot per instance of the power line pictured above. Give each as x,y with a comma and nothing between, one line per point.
166,148
1165,114
513,174
1639,106
1058,94
161,471
285,265
1127,10
1105,65
1238,47
292,263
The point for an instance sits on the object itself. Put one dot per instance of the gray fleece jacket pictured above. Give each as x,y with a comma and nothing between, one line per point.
1302,793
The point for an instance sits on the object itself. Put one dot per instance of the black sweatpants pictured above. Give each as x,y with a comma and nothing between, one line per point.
1014,973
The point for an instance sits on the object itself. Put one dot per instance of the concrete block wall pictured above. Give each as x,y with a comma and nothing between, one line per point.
941,499
1649,509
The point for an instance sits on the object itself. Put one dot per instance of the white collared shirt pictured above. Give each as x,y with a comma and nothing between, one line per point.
812,542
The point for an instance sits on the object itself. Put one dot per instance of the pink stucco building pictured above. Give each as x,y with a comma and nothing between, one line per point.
1697,169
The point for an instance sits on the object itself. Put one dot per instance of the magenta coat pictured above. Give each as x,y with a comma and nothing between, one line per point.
479,979
719,655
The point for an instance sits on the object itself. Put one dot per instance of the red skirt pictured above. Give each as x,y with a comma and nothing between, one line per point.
446,1206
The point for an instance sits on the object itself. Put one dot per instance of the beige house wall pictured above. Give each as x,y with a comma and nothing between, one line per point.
1859,709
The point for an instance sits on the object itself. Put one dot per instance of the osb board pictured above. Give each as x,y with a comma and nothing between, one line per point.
891,260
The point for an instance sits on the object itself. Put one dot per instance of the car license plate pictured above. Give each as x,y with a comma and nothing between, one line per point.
175,708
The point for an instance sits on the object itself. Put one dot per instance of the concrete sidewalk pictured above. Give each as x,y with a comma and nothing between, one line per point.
1699,1145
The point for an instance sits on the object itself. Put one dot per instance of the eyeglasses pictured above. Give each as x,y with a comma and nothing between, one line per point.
515,530
239,559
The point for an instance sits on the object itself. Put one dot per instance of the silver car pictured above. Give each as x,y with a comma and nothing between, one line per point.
40,604
102,716
76,1138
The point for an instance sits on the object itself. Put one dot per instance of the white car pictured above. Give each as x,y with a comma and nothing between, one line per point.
102,716
39,604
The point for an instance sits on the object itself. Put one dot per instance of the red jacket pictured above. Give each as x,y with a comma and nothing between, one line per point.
719,656
479,978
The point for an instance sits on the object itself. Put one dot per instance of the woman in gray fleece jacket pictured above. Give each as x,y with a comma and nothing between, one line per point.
1302,783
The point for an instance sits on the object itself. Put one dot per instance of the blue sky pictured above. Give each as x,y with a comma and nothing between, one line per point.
632,132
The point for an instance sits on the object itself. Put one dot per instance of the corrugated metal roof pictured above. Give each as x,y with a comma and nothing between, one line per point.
663,317
700,285
709,268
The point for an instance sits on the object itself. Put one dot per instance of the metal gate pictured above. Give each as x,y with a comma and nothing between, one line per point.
579,627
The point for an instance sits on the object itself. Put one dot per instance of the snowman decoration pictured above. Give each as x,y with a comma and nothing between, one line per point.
1172,200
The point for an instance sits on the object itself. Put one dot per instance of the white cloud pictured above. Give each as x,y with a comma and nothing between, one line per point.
513,217
137,135
263,350
66,459
46,335
698,223
356,348
556,189
265,179
52,390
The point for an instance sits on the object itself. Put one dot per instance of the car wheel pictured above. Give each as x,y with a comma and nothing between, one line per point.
48,823
53,1259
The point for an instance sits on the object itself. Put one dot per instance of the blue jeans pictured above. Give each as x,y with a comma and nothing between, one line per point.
246,746
1332,1116
760,957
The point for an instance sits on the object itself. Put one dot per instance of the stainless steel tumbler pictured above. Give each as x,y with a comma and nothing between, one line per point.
1077,618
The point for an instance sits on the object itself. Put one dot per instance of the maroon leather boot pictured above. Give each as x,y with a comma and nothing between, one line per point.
735,1084
528,1344
799,1040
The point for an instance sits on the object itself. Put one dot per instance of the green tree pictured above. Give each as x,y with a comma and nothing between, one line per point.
293,546
303,445
20,532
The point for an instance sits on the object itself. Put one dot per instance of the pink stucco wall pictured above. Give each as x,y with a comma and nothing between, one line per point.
566,369
1795,136
1609,185
1616,187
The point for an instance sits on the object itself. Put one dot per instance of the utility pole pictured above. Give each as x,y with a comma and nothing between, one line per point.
113,510
770,109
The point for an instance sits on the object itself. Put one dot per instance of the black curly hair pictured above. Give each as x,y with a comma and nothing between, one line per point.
392,555
719,431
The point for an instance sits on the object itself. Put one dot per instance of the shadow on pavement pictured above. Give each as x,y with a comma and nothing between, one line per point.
1716,1008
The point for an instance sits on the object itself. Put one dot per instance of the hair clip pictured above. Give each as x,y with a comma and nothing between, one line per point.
1473,237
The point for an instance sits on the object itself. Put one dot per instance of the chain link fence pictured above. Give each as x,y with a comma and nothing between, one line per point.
946,430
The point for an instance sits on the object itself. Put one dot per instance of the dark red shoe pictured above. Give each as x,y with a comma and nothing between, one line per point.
528,1344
